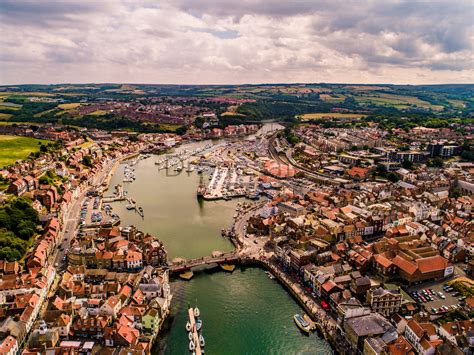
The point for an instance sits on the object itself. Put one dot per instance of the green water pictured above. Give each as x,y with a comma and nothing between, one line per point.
244,312
187,227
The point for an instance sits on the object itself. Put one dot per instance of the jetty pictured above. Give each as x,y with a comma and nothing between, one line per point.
118,196
194,331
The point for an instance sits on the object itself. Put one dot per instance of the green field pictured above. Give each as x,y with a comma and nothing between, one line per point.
69,106
312,116
397,101
5,116
13,148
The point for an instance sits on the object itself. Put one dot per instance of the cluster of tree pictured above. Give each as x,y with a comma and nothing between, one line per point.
436,162
381,171
87,161
467,151
18,221
281,110
50,178
290,136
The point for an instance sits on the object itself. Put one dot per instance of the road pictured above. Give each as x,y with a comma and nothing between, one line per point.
71,219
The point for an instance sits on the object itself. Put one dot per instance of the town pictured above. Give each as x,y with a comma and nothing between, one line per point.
370,230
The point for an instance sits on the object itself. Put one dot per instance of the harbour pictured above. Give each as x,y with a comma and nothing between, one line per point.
191,228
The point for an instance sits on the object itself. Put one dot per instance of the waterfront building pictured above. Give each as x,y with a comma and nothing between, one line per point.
385,302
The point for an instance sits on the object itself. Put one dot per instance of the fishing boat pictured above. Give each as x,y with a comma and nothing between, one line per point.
130,206
302,323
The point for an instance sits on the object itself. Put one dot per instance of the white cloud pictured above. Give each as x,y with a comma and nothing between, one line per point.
207,42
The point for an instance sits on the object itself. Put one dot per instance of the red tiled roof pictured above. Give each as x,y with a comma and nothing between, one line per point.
404,265
432,263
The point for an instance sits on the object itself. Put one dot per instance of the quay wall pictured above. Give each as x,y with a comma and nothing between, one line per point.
322,328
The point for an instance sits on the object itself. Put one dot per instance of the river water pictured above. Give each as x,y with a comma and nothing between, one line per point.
244,312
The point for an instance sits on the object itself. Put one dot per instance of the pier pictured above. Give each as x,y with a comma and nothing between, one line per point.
119,195
194,331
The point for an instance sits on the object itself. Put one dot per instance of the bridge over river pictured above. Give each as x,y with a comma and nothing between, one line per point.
179,265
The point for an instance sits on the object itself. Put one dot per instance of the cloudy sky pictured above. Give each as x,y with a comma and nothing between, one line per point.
236,41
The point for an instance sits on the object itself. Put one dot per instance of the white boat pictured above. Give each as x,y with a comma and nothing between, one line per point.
269,274
192,347
202,341
196,312
190,336
188,326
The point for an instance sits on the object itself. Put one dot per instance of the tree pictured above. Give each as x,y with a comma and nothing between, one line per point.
407,164
436,162
392,177
381,170
87,161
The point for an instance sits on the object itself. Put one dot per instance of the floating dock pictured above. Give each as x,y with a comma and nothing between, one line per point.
194,331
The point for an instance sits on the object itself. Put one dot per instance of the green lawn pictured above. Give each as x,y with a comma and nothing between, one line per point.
13,148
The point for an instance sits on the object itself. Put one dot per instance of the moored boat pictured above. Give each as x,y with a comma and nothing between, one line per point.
188,326
227,267
302,323
192,346
198,324
188,275
269,274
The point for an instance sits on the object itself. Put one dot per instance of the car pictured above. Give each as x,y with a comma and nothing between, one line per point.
56,264
434,310
324,305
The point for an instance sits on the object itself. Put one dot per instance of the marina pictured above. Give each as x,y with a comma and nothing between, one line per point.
247,290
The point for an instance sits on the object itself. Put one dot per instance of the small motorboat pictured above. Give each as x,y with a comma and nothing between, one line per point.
198,324
202,341
190,336
188,326
196,312
192,346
